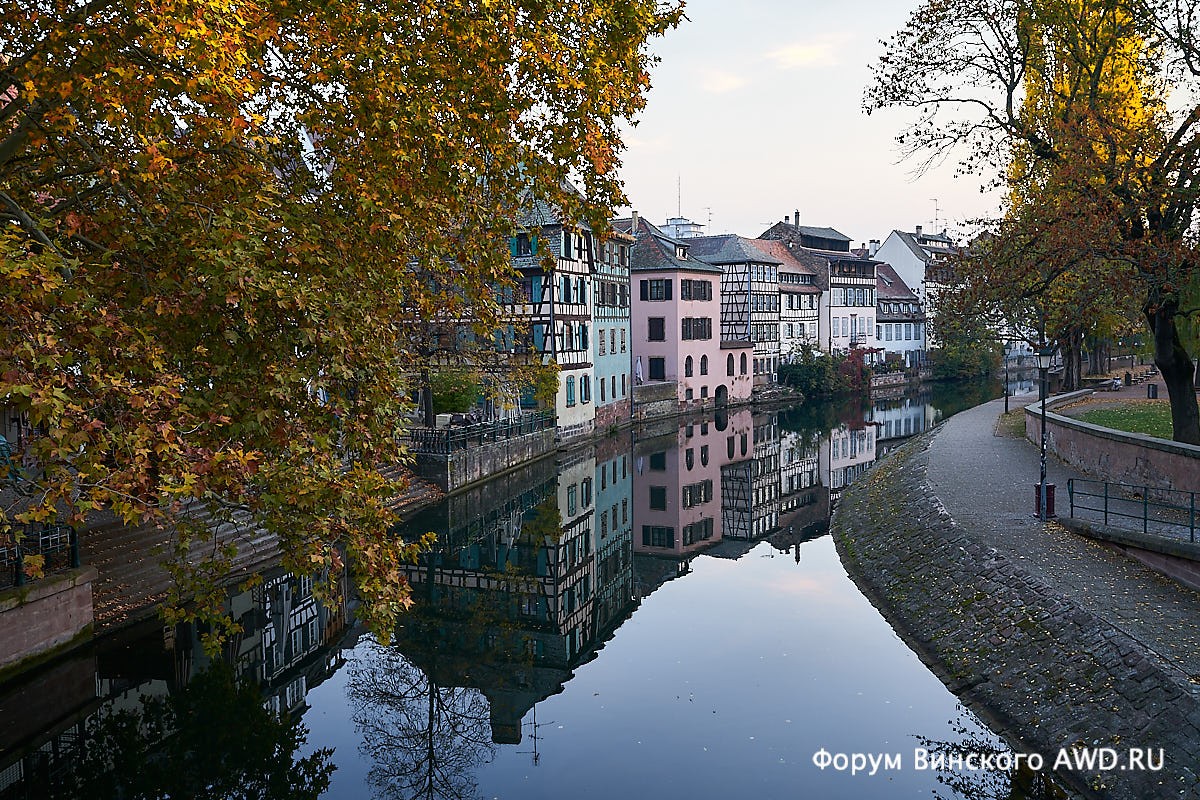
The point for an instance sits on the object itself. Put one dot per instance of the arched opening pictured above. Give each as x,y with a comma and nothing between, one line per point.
722,398
687,367
729,365
743,363
703,365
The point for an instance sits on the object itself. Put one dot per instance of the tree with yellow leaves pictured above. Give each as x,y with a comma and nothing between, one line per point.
1065,102
216,216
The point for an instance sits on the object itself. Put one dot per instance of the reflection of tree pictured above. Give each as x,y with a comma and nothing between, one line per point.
426,740
971,738
214,740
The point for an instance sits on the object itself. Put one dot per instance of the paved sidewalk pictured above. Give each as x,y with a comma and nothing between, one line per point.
984,478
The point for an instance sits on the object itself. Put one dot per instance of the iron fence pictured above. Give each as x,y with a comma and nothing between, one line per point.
1167,512
58,545
455,437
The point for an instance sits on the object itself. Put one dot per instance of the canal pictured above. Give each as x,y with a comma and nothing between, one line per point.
661,614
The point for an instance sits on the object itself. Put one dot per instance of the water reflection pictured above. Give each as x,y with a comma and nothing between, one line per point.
533,575
83,725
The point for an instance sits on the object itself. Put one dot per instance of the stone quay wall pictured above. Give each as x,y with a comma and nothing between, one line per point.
44,615
1039,669
1115,456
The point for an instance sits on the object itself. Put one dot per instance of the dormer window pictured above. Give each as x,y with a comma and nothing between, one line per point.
680,252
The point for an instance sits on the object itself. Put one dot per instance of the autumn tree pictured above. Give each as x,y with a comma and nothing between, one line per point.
1074,92
217,218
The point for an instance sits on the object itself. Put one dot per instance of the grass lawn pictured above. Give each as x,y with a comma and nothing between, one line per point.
1153,419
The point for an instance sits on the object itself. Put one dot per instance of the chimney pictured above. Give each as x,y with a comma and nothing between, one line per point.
633,225
797,218
874,248
787,220
918,230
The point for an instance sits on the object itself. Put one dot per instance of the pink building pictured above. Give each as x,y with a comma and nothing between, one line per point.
678,501
675,323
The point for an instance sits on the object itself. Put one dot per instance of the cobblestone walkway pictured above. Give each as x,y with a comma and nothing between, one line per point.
1057,641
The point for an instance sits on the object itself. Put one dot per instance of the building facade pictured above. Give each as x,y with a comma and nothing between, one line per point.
612,350
749,297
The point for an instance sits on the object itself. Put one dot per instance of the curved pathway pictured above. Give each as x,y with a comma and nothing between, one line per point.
1057,641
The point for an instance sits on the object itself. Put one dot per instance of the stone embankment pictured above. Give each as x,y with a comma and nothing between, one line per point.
1040,667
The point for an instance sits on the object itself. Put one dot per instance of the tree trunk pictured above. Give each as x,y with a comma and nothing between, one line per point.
1178,373
1071,346
1098,356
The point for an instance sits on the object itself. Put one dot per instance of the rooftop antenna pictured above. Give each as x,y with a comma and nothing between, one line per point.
935,214
709,210
678,194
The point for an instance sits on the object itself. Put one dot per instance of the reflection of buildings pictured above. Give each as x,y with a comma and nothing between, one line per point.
897,420
803,498
285,647
849,453
511,602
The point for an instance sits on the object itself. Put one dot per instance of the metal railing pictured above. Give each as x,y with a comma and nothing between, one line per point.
442,441
1168,512
57,544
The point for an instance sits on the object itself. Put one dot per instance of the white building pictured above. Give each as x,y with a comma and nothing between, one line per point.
921,260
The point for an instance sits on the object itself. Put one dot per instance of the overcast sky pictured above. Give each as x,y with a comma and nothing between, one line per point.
756,112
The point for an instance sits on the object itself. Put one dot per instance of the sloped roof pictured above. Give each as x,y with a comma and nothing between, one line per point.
910,241
890,286
655,251
728,248
788,262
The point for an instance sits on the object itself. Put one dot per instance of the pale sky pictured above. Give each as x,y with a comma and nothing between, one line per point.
756,112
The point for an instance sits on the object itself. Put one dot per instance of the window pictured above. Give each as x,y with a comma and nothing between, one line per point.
658,461
658,498
585,488
658,536
570,390
612,340
566,244
703,365
704,391
602,397
658,369
729,364
571,500
704,455
566,290
743,363
657,289
613,380
623,389
585,388
622,340
657,329
687,367
600,342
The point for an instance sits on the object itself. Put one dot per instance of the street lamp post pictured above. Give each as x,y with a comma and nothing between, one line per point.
1007,347
1044,355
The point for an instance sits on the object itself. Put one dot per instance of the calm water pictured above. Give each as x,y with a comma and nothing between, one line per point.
661,614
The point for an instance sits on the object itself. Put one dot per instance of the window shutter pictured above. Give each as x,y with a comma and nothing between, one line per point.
645,290
667,289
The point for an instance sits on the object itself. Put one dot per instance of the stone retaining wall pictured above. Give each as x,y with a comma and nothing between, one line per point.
1043,672
1115,456
42,616
464,467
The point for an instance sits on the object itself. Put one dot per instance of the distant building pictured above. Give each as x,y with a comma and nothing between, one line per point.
749,297
922,261
799,301
847,281
899,320
676,323
682,228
